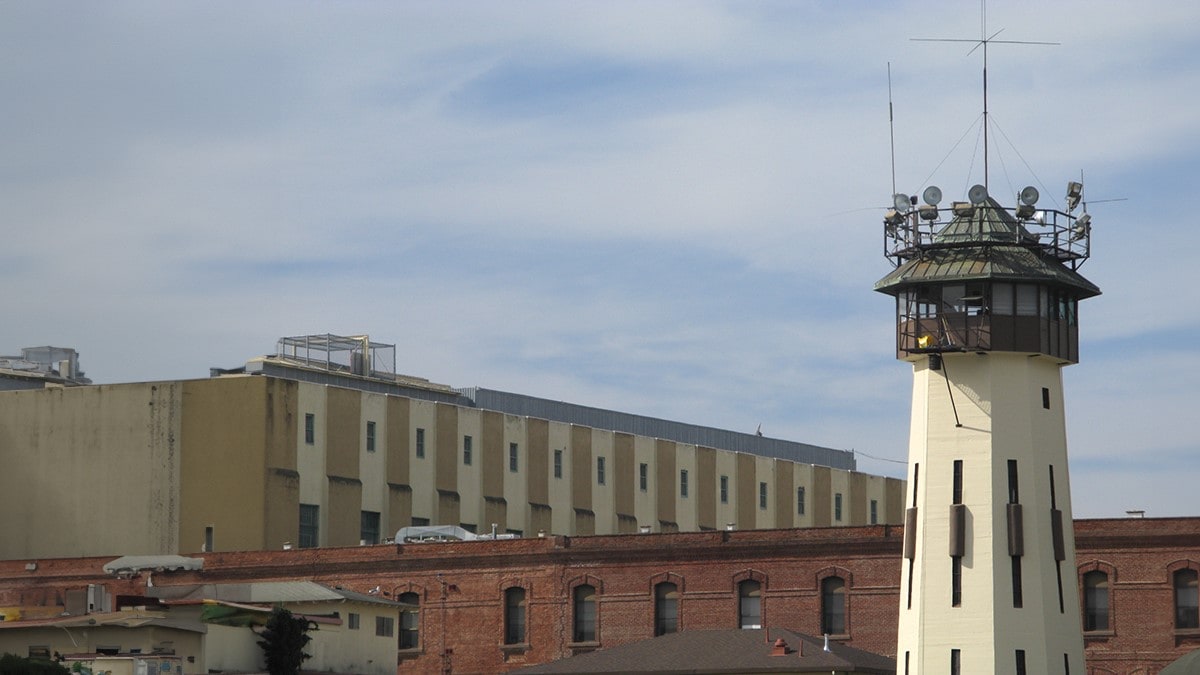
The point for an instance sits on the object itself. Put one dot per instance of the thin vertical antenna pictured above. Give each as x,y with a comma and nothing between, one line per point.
984,41
891,127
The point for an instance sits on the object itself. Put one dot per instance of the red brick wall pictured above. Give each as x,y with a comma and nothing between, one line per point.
461,586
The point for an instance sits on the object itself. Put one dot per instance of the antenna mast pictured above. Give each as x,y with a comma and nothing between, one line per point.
983,41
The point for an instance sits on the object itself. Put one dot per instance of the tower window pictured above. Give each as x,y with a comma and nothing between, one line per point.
420,443
368,527
370,437
310,428
762,495
643,476
956,581
874,511
955,662
467,450
310,516
1018,595
1045,398
558,463
683,483
1014,494
799,501
724,489
958,482
512,457
1020,662
837,506
600,477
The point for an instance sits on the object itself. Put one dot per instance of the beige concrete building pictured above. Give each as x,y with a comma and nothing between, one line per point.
304,451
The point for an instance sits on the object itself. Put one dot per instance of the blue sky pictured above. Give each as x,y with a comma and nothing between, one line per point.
666,208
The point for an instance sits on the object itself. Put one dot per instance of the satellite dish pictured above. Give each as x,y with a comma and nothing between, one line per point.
932,195
901,201
977,194
1029,195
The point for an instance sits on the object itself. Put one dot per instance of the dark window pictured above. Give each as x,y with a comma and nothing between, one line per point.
1020,662
1045,398
352,621
683,483
799,501
310,517
410,621
514,616
1186,605
643,476
955,662
467,450
310,428
385,626
558,463
600,477
666,608
837,506
370,437
956,498
762,495
1066,664
512,457
1014,493
208,539
724,489
420,443
585,613
749,604
833,606
419,522
1018,595
956,581
1095,601
874,511
368,529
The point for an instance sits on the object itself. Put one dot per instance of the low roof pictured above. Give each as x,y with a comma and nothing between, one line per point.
1188,664
137,563
722,651
121,619
267,592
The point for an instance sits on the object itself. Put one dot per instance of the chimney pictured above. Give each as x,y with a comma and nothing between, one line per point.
780,648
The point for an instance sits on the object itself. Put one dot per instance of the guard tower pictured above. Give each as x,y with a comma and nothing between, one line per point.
986,300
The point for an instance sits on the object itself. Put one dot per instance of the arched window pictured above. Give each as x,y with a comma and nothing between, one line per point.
666,608
1095,600
410,621
1187,603
585,613
514,615
833,606
750,604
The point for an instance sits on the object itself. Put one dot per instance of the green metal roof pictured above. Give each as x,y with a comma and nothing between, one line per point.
988,223
984,263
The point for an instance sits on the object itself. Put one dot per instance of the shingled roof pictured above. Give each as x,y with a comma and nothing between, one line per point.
722,651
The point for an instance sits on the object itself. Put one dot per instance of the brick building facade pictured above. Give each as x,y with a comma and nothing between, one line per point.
497,605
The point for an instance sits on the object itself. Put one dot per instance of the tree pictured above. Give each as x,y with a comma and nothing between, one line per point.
283,641
11,664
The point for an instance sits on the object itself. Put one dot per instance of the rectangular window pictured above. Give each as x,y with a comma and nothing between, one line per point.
385,626
1014,494
420,443
467,450
512,457
643,476
310,517
683,483
762,495
724,489
956,581
955,662
956,497
558,461
874,511
799,501
600,478
1018,596
310,428
208,539
1020,662
837,506
368,529
352,621
370,437
1045,398
419,522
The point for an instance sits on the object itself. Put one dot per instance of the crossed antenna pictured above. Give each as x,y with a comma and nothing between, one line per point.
983,41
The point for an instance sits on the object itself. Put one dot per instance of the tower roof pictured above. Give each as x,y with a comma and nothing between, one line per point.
984,263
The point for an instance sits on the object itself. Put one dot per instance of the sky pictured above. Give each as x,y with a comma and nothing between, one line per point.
667,208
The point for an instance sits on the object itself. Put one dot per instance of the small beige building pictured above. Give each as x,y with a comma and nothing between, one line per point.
303,449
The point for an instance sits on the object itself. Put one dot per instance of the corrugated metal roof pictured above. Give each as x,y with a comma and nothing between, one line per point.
268,592
977,263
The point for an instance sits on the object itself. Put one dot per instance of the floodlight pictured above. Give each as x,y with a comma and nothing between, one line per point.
932,195
1082,228
977,194
964,209
928,211
893,217
1074,195
1025,211
1029,195
902,202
